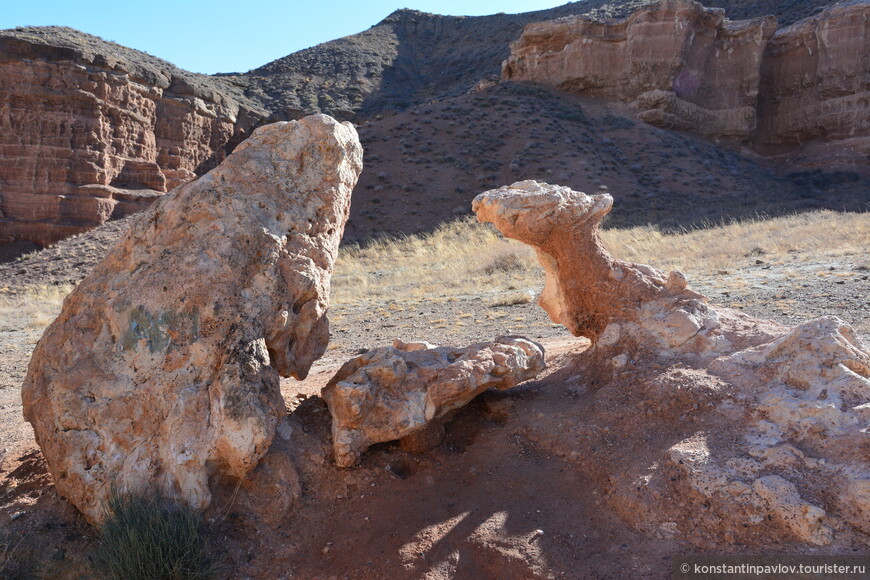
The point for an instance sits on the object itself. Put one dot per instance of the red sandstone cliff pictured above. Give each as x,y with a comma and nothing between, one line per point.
684,66
815,88
90,130
680,64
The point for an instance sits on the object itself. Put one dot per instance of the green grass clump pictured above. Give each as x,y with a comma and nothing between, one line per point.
143,538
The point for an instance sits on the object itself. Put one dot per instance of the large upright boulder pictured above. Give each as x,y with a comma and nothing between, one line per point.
162,369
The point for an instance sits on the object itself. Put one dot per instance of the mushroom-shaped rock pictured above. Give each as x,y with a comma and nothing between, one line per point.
391,392
585,289
162,368
761,430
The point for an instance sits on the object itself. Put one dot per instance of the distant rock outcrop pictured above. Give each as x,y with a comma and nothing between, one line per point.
683,66
162,368
91,130
815,87
395,392
679,64
698,422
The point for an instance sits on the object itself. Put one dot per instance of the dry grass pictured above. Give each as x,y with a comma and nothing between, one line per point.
459,258
467,258
34,308
823,234
464,258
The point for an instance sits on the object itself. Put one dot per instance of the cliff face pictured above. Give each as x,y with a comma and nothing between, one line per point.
680,64
90,130
815,86
685,67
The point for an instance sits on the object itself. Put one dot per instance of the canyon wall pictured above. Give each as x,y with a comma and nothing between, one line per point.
815,80
684,66
91,130
680,64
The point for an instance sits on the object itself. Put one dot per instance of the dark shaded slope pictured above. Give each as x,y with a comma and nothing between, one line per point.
425,165
408,58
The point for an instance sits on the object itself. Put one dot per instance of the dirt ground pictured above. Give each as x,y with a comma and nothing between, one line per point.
486,503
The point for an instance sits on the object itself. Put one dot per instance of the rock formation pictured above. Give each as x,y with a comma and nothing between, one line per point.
394,392
679,64
697,421
815,87
684,66
91,130
585,289
162,368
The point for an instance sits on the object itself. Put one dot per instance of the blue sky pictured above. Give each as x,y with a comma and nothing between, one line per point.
222,36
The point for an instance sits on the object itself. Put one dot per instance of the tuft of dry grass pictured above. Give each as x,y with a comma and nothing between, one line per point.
458,258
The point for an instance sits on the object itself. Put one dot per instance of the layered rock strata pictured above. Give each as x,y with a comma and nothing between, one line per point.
395,392
162,369
815,87
698,422
91,130
679,64
684,66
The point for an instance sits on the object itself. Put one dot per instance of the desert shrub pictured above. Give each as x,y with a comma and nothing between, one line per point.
506,259
13,564
513,299
145,538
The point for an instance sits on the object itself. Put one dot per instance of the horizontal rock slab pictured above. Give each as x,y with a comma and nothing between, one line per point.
393,392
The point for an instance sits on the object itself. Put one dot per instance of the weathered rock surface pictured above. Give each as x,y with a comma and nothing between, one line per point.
394,392
702,422
679,64
815,87
585,289
684,66
162,368
91,130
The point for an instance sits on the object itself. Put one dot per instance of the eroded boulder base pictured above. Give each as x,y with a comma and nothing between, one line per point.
397,392
698,423
162,369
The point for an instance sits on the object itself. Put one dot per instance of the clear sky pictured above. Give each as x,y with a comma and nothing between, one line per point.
222,36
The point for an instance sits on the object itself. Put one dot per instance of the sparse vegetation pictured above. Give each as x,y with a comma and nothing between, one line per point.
10,566
37,306
143,538
463,257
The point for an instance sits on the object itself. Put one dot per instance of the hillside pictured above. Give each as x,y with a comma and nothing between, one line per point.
426,164
412,57
93,131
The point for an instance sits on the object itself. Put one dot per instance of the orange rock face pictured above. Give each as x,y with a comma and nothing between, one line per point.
680,64
87,134
685,67
815,85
